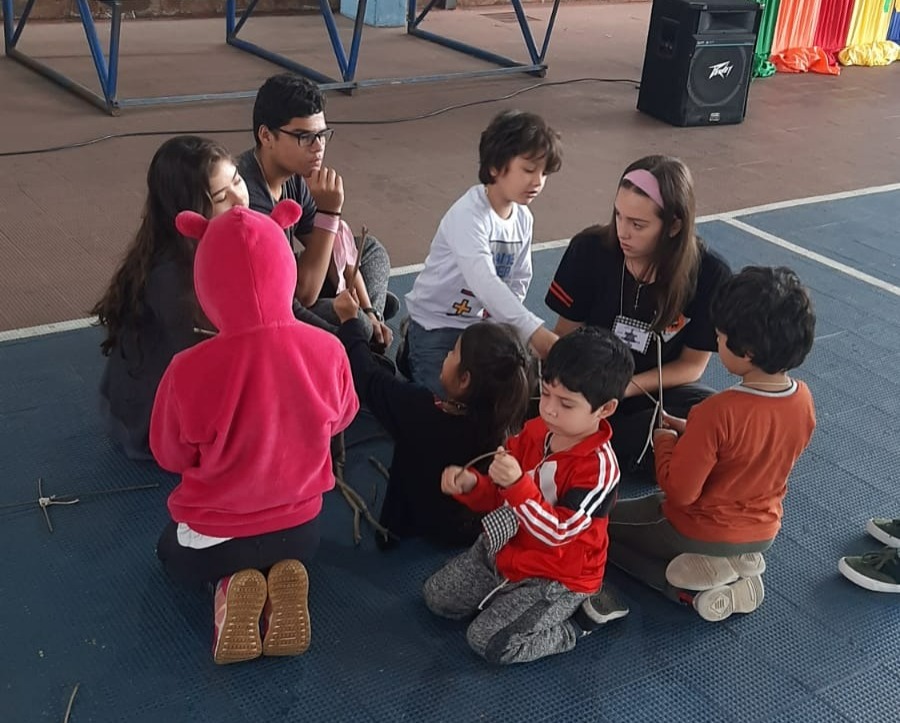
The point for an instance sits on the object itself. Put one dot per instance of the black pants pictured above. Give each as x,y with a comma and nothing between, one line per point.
631,422
198,567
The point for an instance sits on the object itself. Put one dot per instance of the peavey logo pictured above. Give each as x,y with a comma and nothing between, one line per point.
720,70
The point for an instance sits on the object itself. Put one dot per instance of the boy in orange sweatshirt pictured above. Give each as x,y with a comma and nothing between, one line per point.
723,472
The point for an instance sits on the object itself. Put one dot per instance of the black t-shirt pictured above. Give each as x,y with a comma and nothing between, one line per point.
294,188
592,286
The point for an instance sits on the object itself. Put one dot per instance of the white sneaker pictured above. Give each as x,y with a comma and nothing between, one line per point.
690,571
743,596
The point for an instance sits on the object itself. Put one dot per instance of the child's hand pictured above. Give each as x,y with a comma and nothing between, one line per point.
657,433
346,306
381,335
456,480
676,424
505,469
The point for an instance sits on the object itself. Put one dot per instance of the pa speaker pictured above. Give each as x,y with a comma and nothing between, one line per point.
698,61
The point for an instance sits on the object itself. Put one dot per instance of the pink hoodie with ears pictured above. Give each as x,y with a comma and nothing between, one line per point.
247,416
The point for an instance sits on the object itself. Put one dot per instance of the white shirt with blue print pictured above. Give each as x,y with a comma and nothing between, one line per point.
479,266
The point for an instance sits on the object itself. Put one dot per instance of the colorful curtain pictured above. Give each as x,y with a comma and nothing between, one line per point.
762,66
833,26
866,44
894,29
796,24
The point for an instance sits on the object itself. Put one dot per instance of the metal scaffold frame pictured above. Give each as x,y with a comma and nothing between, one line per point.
106,63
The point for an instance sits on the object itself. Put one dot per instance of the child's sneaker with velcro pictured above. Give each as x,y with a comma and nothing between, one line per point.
743,596
286,615
878,571
886,531
239,601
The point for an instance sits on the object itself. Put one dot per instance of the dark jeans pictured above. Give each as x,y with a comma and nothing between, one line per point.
198,567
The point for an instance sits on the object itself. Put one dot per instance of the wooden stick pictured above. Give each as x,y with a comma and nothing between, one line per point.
71,701
476,459
351,280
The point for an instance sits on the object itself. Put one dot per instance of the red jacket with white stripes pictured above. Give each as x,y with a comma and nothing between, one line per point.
562,502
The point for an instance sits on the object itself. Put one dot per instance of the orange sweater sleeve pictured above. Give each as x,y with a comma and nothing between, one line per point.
683,464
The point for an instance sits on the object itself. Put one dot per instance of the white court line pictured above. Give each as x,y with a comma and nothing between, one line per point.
727,217
778,205
45,329
813,256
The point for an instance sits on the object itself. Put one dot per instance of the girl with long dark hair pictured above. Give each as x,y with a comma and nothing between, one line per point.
149,310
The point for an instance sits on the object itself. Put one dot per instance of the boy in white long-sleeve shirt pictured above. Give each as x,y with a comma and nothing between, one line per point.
479,264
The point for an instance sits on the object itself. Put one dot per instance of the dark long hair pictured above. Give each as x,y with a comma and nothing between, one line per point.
177,180
676,260
499,385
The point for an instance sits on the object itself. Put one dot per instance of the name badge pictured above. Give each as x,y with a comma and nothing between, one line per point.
636,334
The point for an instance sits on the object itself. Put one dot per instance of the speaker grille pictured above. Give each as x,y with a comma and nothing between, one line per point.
718,74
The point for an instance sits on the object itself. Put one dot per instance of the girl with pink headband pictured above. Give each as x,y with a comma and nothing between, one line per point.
646,276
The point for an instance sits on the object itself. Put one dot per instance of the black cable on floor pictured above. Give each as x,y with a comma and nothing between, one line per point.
369,122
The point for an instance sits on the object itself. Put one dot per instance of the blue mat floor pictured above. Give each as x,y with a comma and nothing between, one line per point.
89,604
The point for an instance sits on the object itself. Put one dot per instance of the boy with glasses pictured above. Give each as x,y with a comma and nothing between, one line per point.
288,162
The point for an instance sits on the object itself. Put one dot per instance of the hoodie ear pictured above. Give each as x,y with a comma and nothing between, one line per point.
286,213
191,224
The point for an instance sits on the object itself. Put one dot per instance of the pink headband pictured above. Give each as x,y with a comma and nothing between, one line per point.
647,182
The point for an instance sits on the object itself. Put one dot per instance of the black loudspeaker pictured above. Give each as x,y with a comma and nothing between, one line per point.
698,61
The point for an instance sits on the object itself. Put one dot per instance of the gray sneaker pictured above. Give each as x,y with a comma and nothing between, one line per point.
601,608
886,531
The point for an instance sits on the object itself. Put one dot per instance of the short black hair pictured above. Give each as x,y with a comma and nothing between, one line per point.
593,362
767,314
517,133
282,97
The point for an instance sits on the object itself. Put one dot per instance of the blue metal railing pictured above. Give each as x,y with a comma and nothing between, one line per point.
107,65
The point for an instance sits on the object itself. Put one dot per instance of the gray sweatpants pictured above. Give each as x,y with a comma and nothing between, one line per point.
514,622
642,542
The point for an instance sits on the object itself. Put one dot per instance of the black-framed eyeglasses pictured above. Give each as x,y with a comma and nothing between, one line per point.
307,138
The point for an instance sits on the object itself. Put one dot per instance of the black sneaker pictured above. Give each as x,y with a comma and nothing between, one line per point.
391,306
878,571
601,608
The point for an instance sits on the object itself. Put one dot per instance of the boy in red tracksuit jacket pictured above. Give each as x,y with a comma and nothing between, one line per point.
543,551
246,418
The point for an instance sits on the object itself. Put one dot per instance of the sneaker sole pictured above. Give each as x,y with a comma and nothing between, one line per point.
239,638
603,619
883,537
288,630
864,581
743,596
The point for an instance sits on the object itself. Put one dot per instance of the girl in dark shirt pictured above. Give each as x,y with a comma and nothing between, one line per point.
645,273
149,311
486,381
